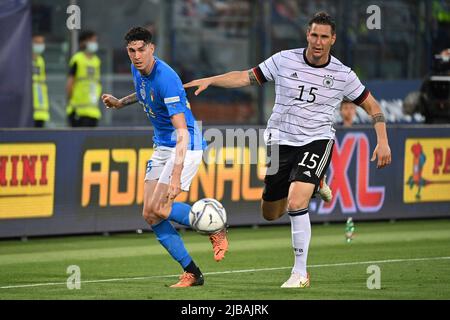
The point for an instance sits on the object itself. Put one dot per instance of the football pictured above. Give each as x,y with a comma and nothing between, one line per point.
207,216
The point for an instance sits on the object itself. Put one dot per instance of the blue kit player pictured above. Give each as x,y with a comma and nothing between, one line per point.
178,150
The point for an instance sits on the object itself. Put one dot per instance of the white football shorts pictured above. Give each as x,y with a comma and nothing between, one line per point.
160,166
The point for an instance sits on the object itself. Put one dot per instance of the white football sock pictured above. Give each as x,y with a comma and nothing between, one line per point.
301,236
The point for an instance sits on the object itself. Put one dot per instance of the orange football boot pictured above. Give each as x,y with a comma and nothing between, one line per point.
188,280
220,244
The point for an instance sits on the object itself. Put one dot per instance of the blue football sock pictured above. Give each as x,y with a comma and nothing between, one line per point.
180,213
171,240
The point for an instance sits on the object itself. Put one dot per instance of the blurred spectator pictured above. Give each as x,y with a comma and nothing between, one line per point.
287,9
236,18
434,99
83,85
441,63
441,15
40,92
151,26
348,112
411,103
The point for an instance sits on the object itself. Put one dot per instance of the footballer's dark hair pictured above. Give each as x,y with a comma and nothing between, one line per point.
86,35
137,34
323,18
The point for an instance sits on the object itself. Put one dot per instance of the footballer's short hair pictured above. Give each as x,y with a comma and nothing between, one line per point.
323,18
137,34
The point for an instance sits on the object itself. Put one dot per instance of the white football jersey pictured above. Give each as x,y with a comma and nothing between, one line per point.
306,96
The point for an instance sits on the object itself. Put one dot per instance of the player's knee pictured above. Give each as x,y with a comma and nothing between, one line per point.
147,216
148,213
297,203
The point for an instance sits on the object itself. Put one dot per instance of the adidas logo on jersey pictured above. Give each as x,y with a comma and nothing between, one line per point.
307,173
294,75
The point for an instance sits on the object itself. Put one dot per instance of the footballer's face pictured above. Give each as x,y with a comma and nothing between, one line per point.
320,39
141,54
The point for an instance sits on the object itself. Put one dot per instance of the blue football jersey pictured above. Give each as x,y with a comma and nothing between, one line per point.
162,95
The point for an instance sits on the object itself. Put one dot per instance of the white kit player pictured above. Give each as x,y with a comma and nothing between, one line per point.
309,84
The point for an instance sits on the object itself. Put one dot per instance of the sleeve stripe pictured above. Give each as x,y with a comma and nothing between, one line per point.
259,75
361,97
274,63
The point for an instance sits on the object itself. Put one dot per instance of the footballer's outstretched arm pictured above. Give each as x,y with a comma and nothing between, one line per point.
382,150
233,79
112,102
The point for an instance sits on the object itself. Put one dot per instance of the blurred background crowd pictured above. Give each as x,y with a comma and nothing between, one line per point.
405,63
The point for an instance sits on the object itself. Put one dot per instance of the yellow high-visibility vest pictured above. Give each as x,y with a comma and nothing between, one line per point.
40,91
87,88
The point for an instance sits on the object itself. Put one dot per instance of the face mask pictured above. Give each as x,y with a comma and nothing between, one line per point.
92,47
38,48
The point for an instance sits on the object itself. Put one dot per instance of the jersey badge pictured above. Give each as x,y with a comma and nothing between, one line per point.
328,81
152,95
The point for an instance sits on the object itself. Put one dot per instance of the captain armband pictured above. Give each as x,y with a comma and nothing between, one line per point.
256,76
252,77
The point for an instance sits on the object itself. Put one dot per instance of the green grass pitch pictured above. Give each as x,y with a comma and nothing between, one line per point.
413,256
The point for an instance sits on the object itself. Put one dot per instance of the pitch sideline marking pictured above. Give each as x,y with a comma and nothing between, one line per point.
228,272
